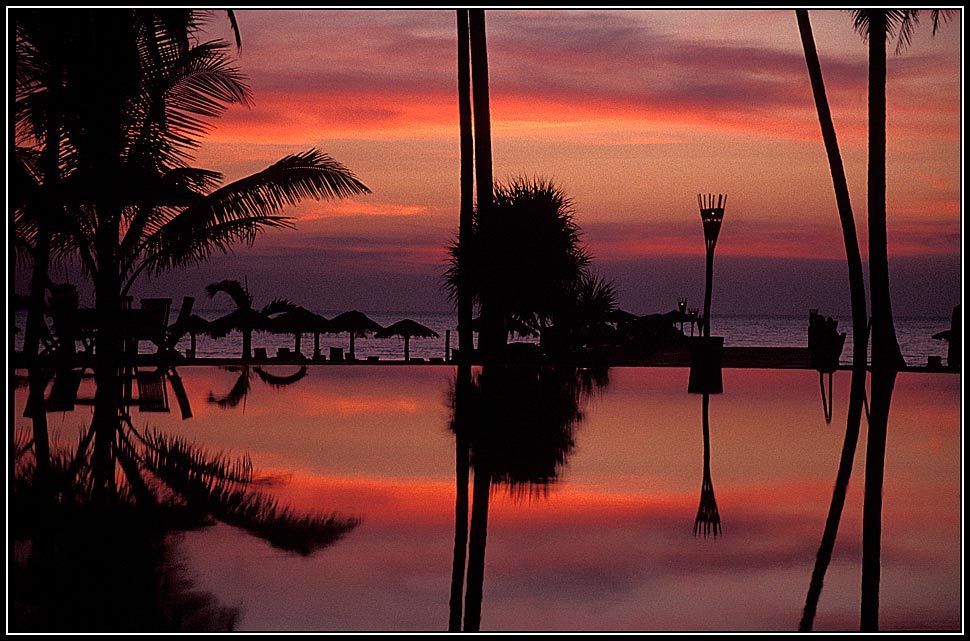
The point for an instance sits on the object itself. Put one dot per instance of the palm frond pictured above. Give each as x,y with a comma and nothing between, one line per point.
279,306
234,289
280,381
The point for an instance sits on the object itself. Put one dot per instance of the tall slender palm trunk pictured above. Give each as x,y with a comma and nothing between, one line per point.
491,338
857,295
467,184
885,347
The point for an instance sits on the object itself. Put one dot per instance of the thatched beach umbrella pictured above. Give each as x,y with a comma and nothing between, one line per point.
243,319
406,329
356,324
194,326
299,321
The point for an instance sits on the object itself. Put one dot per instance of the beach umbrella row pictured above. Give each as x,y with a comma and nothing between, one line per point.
297,320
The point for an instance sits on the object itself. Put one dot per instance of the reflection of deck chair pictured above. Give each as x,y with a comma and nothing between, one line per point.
152,391
63,394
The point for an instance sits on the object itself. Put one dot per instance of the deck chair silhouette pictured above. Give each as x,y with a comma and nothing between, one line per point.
152,320
174,332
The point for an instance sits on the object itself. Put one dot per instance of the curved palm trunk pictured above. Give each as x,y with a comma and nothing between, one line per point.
462,385
491,338
885,347
467,181
857,295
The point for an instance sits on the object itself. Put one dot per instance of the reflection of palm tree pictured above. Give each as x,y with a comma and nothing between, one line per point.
163,483
519,422
877,26
856,401
708,520
860,332
240,389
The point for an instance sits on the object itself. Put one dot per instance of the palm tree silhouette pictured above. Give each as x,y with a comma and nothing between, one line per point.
135,100
877,26
524,258
244,318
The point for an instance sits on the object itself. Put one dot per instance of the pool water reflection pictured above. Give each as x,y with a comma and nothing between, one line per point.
602,537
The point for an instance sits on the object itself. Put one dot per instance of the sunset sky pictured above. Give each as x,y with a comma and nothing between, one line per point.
633,113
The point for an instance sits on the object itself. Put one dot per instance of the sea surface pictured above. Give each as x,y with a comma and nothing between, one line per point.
914,335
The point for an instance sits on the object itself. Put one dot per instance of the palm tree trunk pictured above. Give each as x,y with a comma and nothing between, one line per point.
109,393
885,347
247,346
491,338
467,181
857,295
407,348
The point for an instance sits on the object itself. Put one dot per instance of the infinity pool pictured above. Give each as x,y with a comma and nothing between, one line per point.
605,541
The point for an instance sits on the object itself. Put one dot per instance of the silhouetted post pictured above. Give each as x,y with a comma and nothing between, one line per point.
711,217
447,345
682,308
955,348
705,355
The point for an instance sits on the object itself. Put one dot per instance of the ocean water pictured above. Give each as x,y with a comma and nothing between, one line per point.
915,336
